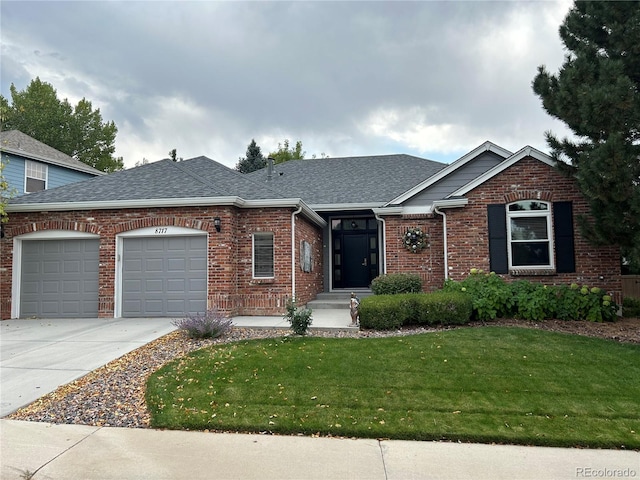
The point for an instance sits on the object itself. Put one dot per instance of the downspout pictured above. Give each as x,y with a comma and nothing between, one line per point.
293,252
444,234
383,255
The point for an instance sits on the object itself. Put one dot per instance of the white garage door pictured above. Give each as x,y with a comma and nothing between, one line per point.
164,276
59,278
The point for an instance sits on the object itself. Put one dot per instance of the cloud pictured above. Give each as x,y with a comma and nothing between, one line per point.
346,78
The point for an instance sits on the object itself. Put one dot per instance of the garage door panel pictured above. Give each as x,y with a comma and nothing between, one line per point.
59,278
169,267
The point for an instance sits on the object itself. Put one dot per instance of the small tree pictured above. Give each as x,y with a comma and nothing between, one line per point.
286,153
253,161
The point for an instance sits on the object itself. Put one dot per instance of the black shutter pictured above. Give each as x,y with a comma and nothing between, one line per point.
497,220
563,236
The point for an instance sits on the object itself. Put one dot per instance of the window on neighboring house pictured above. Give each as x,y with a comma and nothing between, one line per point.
529,234
263,262
35,176
524,235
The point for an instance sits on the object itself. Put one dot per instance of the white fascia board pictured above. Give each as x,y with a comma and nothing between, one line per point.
39,158
170,202
451,203
400,210
516,157
335,207
452,167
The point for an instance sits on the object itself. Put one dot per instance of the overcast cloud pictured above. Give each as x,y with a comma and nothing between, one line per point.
432,79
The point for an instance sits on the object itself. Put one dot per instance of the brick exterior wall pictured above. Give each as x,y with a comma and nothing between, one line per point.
231,287
528,179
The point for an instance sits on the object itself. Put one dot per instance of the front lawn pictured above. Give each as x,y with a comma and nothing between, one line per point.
493,384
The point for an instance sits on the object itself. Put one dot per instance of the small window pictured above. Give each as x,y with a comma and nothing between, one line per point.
529,234
263,255
35,176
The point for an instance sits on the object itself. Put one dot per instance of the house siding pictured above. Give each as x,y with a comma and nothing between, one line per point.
231,287
57,176
528,179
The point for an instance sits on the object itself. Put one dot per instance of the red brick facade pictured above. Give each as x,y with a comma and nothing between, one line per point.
231,286
467,232
233,289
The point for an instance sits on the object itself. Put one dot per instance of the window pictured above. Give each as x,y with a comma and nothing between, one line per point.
35,176
529,234
521,233
263,255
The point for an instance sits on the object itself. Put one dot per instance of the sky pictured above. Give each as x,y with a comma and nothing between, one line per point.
433,79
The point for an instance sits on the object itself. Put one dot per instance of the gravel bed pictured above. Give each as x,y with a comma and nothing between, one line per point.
113,395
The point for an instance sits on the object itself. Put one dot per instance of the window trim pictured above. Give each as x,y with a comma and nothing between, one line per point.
528,214
254,259
38,166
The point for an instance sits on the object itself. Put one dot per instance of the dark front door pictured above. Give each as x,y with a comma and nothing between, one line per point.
356,260
354,252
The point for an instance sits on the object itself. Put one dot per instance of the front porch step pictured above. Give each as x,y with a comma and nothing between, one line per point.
335,300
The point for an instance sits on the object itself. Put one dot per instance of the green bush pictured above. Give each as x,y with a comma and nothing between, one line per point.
387,312
299,318
493,297
631,307
396,283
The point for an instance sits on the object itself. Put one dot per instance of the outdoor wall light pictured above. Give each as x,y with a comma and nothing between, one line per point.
217,223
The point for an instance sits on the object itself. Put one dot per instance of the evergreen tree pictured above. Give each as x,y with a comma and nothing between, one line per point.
77,131
253,161
597,94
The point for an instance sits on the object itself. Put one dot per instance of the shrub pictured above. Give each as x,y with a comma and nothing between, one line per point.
631,307
386,312
396,283
493,297
211,324
299,318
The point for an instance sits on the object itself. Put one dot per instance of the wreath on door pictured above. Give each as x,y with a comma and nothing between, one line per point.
415,239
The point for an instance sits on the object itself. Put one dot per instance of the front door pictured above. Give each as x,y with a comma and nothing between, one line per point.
355,252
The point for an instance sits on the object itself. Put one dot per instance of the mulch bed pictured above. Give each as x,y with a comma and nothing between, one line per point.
113,395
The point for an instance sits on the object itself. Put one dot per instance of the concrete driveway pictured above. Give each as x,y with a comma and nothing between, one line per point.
37,356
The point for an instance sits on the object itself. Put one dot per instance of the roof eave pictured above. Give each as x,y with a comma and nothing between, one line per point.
234,201
40,158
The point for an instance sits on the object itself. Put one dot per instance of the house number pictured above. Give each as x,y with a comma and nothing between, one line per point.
160,231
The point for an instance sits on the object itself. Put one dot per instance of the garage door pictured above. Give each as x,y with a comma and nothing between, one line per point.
59,278
164,276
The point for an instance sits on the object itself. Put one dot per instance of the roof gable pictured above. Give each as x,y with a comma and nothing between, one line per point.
508,162
449,169
17,143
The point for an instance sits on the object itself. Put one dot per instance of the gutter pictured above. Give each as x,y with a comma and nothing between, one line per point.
383,255
234,201
449,203
293,252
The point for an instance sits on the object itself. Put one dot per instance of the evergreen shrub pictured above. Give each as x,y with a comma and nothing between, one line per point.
396,283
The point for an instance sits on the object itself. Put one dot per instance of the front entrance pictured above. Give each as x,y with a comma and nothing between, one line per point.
355,259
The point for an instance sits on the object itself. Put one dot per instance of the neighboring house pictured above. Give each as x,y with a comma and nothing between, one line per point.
169,238
32,166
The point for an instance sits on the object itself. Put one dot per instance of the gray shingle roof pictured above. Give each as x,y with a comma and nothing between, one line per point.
373,179
165,179
18,143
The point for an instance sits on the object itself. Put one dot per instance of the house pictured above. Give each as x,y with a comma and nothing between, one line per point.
168,238
32,166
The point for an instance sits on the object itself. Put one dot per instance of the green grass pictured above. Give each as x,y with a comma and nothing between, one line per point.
493,384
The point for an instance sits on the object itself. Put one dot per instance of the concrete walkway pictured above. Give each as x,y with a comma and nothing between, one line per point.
39,355
85,453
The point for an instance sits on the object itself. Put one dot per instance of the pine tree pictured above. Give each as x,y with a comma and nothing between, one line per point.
253,161
597,94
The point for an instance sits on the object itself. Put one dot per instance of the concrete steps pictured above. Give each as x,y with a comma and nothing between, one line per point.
336,300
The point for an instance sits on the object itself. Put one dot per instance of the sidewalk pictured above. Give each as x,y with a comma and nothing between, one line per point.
79,452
